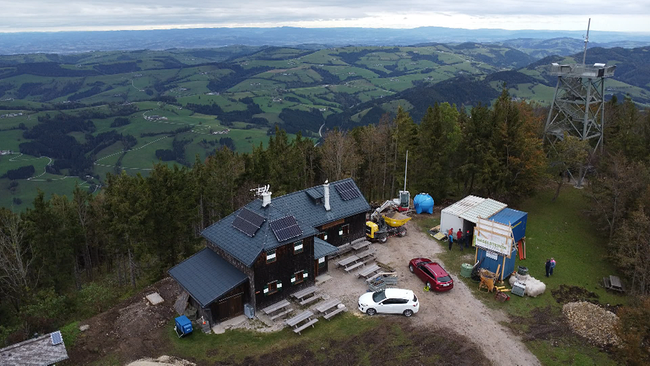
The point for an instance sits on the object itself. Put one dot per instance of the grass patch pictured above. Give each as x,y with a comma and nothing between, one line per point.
561,230
70,333
235,346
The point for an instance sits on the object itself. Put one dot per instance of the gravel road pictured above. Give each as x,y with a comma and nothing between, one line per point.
456,309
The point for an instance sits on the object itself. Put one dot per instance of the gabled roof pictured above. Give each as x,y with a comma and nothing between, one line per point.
463,205
484,210
206,276
32,352
302,205
323,248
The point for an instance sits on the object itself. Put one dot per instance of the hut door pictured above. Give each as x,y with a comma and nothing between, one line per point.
231,306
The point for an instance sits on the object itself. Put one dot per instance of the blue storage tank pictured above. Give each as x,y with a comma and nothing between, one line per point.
516,220
423,203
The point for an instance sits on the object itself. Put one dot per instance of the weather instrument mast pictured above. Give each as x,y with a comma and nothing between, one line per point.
578,107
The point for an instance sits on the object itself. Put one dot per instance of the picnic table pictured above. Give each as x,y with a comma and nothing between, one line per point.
348,260
366,253
277,310
331,308
307,295
613,283
369,271
301,321
362,244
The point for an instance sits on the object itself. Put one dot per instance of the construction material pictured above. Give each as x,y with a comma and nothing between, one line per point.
522,270
534,287
487,279
501,296
519,289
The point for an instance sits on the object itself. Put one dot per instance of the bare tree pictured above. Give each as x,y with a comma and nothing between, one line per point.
15,258
339,157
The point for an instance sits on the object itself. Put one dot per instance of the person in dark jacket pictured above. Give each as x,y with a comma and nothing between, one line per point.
552,266
548,267
468,238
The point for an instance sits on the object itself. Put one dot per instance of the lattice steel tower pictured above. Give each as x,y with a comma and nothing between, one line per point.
578,105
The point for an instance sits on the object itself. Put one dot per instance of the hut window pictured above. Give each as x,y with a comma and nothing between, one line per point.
297,247
321,262
298,277
322,235
272,287
344,230
270,256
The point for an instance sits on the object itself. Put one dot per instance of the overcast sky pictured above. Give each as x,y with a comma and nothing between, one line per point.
58,15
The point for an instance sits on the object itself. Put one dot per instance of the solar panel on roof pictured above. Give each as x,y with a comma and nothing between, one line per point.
251,217
285,228
248,222
347,190
56,338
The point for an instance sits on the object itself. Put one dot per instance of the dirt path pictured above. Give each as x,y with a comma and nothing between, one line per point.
456,309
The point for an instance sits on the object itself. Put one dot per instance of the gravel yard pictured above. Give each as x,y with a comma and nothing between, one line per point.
456,309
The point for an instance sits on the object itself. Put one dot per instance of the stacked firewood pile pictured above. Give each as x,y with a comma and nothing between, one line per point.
592,322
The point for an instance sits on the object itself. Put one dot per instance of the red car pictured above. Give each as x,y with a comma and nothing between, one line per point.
431,273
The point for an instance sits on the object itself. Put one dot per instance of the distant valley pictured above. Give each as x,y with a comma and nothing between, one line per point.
70,118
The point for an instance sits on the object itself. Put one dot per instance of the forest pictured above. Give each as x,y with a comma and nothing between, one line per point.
68,257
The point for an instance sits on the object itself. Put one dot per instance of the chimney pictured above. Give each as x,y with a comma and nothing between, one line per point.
326,194
266,198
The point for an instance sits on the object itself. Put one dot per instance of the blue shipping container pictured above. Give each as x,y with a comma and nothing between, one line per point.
516,220
492,264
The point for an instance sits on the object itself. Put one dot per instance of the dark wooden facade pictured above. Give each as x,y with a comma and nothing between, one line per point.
320,267
343,231
293,270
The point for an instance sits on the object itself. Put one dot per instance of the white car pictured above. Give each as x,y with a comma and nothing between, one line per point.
389,301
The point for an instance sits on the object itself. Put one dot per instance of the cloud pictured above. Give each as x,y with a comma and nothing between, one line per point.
143,14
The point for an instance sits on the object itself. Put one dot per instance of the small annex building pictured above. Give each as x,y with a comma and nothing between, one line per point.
270,248
44,350
495,230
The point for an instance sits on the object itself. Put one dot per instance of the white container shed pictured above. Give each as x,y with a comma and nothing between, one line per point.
464,214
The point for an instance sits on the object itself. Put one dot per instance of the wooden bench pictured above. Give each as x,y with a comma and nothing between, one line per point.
360,245
337,311
310,299
306,317
353,266
369,271
366,253
613,283
329,305
349,260
275,307
281,314
343,249
300,295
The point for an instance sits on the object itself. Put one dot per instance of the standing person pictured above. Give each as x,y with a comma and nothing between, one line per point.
450,237
468,238
459,238
548,267
552,265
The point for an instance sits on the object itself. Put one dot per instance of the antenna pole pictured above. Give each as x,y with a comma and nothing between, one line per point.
584,56
406,166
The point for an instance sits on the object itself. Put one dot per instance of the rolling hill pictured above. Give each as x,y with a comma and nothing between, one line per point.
76,117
